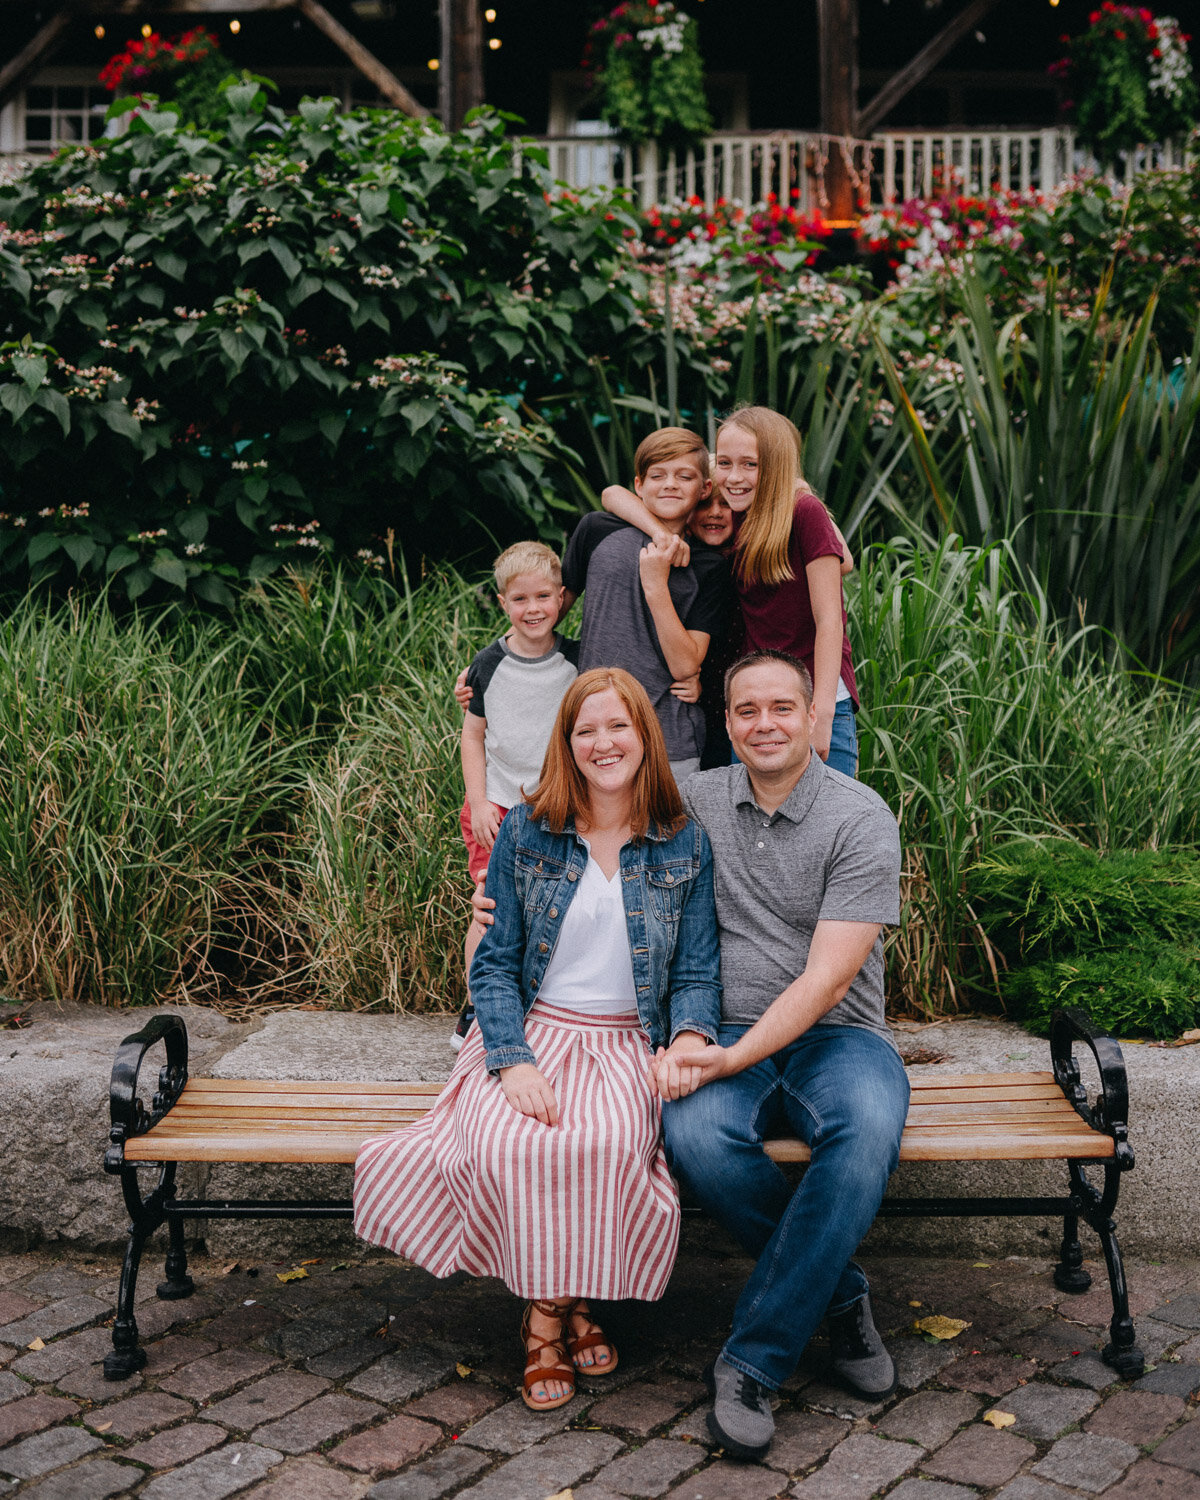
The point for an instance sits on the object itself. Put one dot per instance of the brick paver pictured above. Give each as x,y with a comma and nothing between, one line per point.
177,1445
383,1449
266,1399
295,1384
314,1424
32,1414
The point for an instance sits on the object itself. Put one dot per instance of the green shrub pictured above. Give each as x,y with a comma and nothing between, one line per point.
1114,933
229,351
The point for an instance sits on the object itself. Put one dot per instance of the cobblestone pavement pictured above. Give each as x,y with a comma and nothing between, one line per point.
366,1377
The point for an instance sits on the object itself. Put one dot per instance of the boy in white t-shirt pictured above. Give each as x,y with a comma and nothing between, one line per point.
516,685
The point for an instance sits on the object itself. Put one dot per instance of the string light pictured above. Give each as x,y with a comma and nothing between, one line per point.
494,44
433,64
147,29
235,26
99,33
489,16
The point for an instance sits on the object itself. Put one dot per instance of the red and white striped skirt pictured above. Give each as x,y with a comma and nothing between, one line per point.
584,1208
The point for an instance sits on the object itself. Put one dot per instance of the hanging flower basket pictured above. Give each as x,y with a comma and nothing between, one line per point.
1128,79
649,73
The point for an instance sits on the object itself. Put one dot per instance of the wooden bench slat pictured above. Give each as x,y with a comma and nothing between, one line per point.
309,1086
957,1117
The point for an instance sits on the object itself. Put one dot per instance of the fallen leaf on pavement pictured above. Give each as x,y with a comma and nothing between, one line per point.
297,1273
999,1418
463,1370
36,1345
101,1426
938,1327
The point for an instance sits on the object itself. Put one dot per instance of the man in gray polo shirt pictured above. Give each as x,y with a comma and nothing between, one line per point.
807,865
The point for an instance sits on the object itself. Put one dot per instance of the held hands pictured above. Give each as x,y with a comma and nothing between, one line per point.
689,1061
674,1073
529,1093
463,694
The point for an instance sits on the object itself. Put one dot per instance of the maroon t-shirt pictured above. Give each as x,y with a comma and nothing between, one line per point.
779,617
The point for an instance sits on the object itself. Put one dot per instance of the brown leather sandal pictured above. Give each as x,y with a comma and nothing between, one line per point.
537,1374
594,1338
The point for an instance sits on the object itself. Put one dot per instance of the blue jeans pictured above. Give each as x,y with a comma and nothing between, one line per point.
843,740
841,1089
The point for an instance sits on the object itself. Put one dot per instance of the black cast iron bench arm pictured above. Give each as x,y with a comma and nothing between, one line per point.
1109,1111
127,1114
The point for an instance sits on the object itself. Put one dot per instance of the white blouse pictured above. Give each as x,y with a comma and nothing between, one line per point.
591,969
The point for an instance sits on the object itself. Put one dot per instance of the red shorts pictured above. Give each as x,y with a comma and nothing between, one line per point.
477,855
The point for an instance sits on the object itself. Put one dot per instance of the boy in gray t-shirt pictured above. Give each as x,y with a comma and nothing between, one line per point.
516,685
641,611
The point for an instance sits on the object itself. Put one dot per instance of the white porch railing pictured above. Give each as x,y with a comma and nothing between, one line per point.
893,166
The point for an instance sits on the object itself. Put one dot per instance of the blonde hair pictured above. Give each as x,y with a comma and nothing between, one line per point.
668,443
526,557
766,534
562,791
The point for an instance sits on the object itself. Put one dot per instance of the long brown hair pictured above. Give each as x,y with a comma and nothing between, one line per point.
562,792
766,533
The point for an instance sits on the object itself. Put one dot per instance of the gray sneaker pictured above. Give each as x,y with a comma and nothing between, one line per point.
741,1419
860,1361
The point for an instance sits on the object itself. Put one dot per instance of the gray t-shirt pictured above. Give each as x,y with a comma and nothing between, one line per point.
830,852
519,697
618,629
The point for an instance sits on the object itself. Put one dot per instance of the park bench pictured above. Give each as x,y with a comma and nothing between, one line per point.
965,1117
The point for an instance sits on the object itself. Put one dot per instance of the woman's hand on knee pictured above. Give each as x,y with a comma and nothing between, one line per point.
529,1093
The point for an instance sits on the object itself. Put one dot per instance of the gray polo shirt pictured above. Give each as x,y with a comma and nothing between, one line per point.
830,852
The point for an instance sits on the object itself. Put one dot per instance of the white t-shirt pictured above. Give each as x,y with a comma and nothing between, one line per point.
591,969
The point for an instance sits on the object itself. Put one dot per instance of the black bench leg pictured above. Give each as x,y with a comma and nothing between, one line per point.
178,1283
1069,1275
127,1356
1122,1354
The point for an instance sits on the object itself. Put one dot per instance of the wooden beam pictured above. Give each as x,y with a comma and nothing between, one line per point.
35,52
366,62
920,66
837,45
184,7
460,76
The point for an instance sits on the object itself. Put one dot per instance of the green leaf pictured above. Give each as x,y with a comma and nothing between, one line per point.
120,557
336,289
257,488
212,590
117,416
57,405
137,582
420,413
169,568
192,524
373,202
16,399
42,546
80,549
288,263
332,425
171,264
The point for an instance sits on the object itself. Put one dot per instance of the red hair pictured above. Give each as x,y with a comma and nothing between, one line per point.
563,793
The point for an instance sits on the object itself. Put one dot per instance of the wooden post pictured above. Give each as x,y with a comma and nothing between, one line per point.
460,73
366,62
34,53
837,42
920,66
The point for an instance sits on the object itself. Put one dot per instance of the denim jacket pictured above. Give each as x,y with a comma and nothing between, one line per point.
667,888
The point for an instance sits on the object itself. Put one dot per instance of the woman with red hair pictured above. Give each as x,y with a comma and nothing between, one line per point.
541,1162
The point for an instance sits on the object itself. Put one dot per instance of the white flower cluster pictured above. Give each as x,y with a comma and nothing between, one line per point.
151,536
1172,68
194,549
668,35
145,411
378,276
289,535
369,559
241,463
